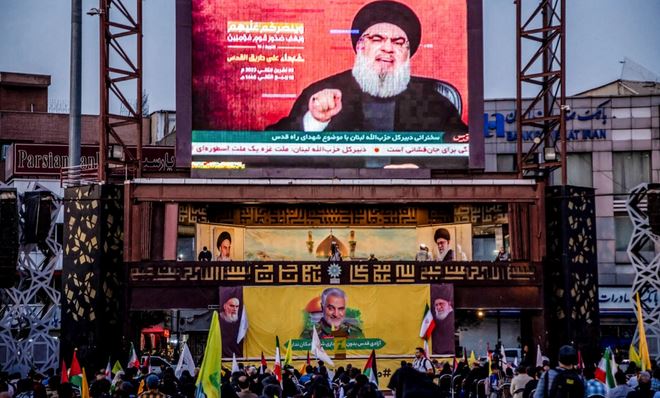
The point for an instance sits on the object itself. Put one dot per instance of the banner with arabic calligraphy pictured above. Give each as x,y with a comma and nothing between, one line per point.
386,318
252,59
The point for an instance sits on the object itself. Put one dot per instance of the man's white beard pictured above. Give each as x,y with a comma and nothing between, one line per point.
230,317
442,315
334,322
381,85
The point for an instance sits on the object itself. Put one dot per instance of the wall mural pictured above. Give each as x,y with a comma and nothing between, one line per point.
313,244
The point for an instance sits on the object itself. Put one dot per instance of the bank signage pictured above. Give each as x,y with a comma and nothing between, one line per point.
47,160
615,299
498,125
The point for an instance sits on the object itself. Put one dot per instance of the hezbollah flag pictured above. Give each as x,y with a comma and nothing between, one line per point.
633,356
288,356
370,369
84,387
75,374
643,344
208,381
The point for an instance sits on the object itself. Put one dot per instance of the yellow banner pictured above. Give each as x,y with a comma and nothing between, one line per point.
385,318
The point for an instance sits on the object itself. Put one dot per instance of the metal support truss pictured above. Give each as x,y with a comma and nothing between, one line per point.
121,81
647,266
540,41
30,312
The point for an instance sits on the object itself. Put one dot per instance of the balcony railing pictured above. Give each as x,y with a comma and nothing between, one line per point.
263,273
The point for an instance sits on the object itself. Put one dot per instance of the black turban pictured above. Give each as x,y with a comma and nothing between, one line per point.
441,233
390,12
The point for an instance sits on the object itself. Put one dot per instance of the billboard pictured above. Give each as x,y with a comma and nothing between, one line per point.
385,318
339,83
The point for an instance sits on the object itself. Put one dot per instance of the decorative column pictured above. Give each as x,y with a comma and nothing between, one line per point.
571,270
92,271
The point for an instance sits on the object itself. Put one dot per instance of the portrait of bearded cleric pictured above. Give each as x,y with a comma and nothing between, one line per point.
379,93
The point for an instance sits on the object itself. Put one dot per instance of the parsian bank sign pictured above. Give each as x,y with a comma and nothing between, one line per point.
47,160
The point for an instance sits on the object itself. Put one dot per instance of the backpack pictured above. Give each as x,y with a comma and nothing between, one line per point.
567,384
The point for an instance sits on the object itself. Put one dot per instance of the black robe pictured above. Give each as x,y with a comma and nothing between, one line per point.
421,107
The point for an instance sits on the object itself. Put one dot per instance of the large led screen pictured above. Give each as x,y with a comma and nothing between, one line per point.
299,80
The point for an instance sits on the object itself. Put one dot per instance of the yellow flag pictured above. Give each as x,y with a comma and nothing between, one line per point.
472,358
643,345
84,387
208,381
633,356
288,357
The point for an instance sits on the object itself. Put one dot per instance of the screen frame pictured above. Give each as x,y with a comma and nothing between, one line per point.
475,161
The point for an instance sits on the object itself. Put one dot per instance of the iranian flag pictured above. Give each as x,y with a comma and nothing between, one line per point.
133,361
75,373
278,360
606,369
428,324
370,369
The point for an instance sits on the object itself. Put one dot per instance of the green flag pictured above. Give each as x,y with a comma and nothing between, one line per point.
208,381
116,367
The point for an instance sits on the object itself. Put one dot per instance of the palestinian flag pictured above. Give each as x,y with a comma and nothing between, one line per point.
75,373
278,361
370,369
264,364
428,324
606,369
64,378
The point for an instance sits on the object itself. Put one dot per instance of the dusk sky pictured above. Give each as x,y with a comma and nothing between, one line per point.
35,38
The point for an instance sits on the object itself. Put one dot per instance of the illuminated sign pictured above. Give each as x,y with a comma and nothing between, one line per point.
357,79
48,160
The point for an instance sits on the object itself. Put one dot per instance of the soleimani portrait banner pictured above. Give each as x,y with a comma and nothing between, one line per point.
384,318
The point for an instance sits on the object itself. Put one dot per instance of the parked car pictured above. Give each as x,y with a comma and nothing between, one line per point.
156,362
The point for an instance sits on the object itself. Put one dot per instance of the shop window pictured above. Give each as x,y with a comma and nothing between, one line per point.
506,162
579,170
630,169
185,248
483,248
623,227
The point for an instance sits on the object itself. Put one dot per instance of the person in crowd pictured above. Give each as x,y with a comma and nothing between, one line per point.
643,389
519,382
622,388
568,376
593,387
423,253
421,363
502,255
244,386
152,382
535,373
205,255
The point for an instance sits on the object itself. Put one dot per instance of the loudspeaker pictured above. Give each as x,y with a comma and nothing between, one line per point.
36,216
653,197
8,236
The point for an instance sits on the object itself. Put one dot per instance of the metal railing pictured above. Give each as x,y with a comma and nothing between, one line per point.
78,175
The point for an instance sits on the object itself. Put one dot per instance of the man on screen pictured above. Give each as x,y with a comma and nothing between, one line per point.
379,94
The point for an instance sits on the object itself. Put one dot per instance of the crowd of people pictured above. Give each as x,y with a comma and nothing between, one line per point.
420,378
